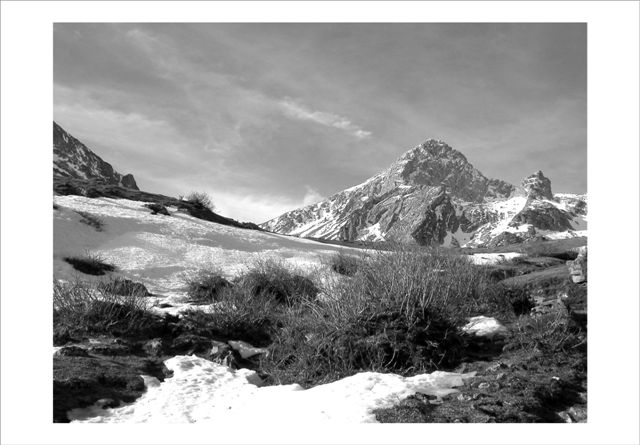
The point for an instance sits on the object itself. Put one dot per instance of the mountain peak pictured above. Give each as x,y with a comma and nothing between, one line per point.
71,158
433,149
538,186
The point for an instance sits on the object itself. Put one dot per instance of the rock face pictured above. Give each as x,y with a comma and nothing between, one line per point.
537,186
432,195
578,267
71,158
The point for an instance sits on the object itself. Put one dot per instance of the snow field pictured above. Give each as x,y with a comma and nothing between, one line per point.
158,250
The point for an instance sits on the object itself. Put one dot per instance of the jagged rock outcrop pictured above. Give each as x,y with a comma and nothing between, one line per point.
432,195
71,158
537,186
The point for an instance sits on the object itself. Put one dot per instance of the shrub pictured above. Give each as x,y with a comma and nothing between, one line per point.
241,316
200,199
344,264
82,308
205,285
273,279
91,220
90,263
122,286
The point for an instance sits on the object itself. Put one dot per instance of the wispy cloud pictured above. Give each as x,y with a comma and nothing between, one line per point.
311,197
294,110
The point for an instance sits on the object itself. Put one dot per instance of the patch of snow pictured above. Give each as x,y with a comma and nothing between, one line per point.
203,391
506,210
482,326
372,233
492,258
563,235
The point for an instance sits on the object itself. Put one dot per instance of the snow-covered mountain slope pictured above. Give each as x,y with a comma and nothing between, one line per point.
71,158
157,249
433,195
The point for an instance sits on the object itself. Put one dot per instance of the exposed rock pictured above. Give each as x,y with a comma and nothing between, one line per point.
71,351
537,186
543,216
79,382
505,239
113,349
72,158
245,349
578,267
157,209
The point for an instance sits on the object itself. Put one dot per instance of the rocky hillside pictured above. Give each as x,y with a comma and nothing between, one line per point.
71,158
432,195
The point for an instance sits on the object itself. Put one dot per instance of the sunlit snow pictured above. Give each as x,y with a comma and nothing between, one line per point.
157,250
203,391
492,258
482,326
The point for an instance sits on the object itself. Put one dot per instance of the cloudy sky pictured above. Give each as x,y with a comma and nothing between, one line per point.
270,117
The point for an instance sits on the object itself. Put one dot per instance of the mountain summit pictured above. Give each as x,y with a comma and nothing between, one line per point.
432,195
71,158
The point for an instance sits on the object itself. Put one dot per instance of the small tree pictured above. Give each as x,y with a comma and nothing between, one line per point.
200,198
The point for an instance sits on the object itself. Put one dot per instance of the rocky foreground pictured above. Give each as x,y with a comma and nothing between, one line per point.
531,369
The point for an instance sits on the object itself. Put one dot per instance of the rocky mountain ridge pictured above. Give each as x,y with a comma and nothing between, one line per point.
71,158
432,195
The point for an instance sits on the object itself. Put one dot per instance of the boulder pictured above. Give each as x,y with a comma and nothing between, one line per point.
578,267
245,349
153,347
80,382
71,351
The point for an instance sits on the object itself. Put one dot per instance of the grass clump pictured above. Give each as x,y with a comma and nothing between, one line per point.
81,308
90,263
548,333
344,264
124,287
206,286
274,279
91,220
